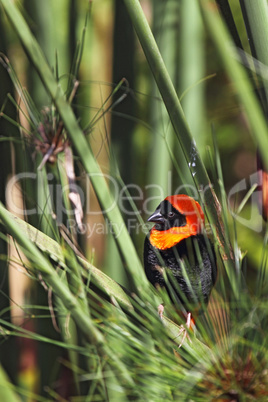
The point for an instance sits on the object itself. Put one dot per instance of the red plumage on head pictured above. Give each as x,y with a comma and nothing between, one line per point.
190,208
195,219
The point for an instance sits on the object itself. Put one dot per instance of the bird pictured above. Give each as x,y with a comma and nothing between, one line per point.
178,255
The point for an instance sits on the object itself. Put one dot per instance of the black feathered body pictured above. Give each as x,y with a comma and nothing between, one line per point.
195,256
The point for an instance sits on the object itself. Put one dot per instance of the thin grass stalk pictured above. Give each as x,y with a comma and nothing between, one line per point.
61,58
65,190
229,20
44,204
106,200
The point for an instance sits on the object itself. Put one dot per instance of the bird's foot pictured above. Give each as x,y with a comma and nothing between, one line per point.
185,335
160,310
184,330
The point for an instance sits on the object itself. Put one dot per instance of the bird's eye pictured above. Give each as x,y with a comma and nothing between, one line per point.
171,214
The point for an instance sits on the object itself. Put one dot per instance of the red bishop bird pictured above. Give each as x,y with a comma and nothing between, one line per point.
179,256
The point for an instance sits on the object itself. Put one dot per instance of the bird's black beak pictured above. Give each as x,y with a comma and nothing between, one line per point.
156,217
